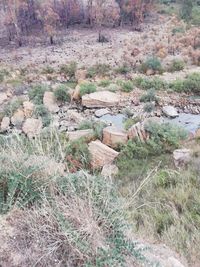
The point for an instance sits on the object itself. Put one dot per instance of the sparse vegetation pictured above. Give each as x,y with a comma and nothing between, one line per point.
176,65
87,88
69,70
61,94
153,64
36,94
101,70
41,111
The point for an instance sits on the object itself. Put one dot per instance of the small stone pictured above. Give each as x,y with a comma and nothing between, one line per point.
5,124
170,111
32,127
50,102
101,112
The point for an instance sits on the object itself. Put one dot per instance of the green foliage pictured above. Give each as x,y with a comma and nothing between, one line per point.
151,83
152,63
186,10
124,69
41,111
104,83
98,70
61,94
130,122
176,65
177,85
178,30
69,70
3,74
87,88
195,17
12,106
36,94
149,107
85,125
149,96
96,126
48,70
126,86
191,84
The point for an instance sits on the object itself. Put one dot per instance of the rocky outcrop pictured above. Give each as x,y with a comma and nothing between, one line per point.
74,135
5,124
138,131
32,127
113,137
50,102
170,111
100,99
101,154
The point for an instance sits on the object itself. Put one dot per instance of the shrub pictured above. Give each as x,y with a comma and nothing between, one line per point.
192,83
3,74
186,10
130,122
178,30
61,94
11,107
152,63
176,65
177,85
48,70
149,96
98,70
104,83
87,88
124,69
69,70
149,107
149,83
85,125
41,111
36,94
96,126
126,86
195,17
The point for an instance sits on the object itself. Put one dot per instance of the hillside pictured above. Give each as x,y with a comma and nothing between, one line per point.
99,133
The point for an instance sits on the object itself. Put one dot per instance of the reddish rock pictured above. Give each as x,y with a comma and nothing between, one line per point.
113,136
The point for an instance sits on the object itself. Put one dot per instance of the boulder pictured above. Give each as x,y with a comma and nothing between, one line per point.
5,124
18,117
3,97
76,93
182,157
170,111
138,131
74,135
100,99
109,170
101,154
28,109
80,75
49,102
32,127
101,112
113,137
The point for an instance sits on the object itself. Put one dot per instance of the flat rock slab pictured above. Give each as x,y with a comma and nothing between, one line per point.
100,99
113,137
101,154
170,111
75,135
101,112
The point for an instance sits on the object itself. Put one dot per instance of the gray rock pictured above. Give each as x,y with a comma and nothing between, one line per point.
170,111
101,112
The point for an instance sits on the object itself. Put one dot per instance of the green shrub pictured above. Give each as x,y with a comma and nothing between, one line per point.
186,9
98,70
126,86
104,83
192,83
69,70
41,111
151,83
152,63
87,88
178,30
48,70
124,69
128,123
177,85
3,74
13,106
149,96
149,107
176,65
61,94
36,94
96,126
85,125
195,17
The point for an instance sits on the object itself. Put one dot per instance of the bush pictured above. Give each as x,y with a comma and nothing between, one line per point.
87,88
124,69
104,83
98,70
61,94
11,107
41,111
152,63
36,94
149,96
48,70
69,70
85,125
195,17
192,83
149,107
151,83
126,86
128,123
176,65
177,85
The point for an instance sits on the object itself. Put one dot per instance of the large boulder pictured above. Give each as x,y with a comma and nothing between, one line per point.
32,127
5,124
170,111
50,102
75,135
101,154
18,117
100,99
113,137
182,157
